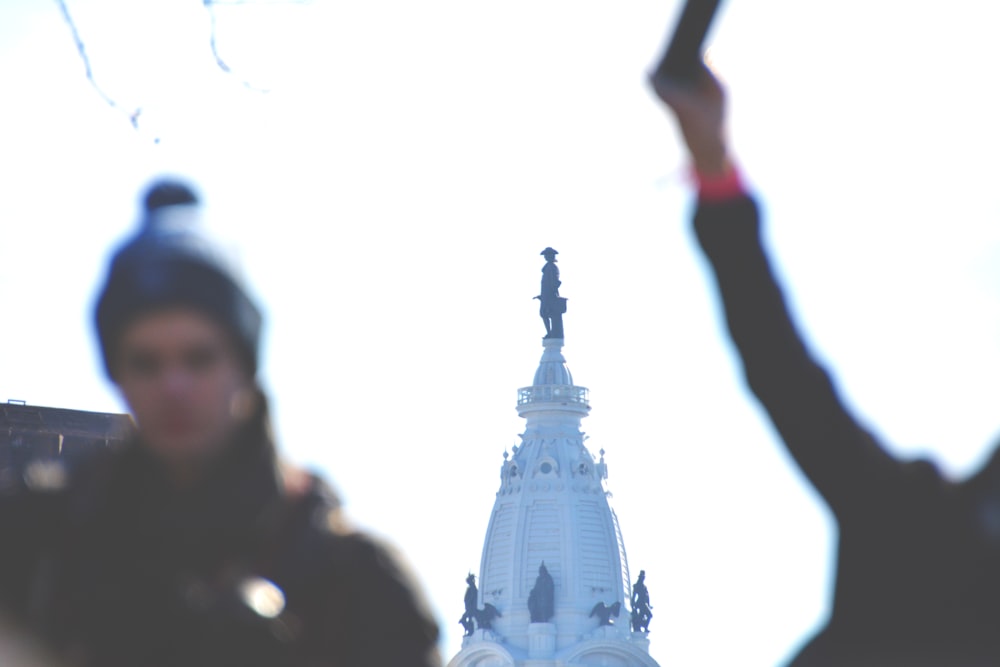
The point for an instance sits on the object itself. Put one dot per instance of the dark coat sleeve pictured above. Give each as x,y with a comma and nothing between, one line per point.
30,521
376,614
842,460
393,624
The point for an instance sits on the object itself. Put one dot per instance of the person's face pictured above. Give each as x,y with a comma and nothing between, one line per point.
181,376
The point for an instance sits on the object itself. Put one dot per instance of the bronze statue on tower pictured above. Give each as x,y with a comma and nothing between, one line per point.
552,305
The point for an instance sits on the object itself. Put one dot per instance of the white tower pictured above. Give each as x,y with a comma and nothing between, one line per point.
552,508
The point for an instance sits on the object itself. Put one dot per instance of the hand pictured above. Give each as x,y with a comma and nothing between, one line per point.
700,111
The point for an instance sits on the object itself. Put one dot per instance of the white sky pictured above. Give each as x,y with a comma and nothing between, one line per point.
390,195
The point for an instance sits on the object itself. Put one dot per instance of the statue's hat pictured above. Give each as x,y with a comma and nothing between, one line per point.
549,251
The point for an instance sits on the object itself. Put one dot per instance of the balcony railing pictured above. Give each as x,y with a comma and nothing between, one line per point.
548,393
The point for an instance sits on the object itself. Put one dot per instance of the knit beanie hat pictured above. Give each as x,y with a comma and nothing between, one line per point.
167,264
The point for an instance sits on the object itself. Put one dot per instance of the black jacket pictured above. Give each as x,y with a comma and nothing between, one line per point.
116,568
918,563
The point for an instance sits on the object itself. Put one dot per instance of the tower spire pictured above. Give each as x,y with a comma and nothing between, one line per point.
554,575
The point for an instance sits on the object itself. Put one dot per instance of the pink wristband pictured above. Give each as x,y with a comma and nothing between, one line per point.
718,188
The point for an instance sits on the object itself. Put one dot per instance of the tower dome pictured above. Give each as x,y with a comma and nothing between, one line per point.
552,369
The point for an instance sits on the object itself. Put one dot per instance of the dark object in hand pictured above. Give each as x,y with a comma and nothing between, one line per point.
682,59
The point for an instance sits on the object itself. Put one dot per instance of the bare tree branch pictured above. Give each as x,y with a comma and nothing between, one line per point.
210,7
133,116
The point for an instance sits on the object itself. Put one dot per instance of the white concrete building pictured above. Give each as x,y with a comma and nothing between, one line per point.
553,508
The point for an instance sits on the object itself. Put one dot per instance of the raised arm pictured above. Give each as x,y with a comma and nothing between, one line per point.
842,460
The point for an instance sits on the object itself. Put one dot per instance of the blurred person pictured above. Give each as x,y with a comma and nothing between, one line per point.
918,560
195,545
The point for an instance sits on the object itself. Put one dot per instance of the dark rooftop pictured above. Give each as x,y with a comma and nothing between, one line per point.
32,432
